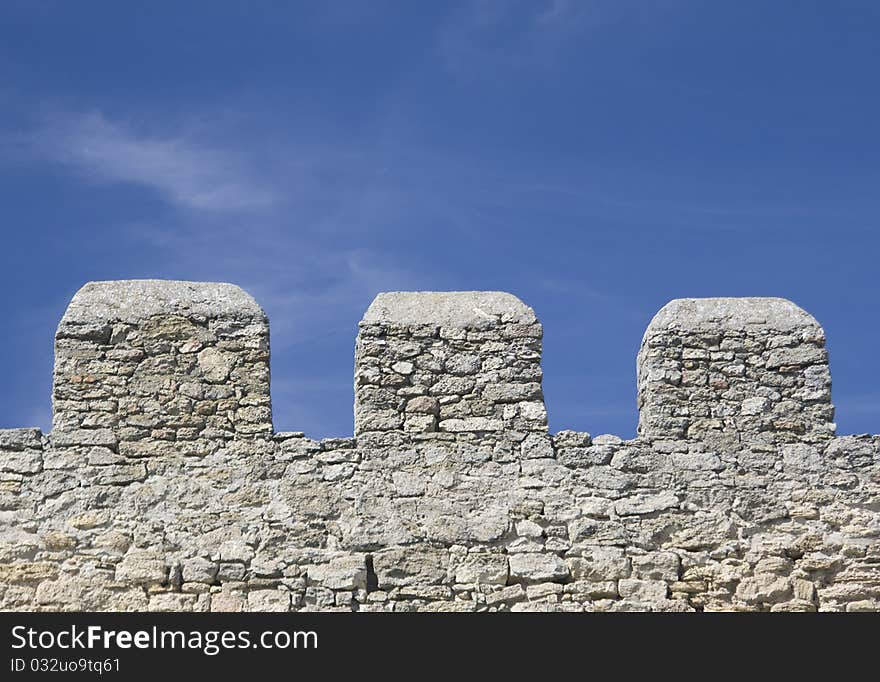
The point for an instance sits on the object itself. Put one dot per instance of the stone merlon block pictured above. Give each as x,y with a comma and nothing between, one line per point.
459,362
144,366
753,368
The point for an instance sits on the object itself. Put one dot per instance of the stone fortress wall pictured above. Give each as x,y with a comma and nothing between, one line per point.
163,486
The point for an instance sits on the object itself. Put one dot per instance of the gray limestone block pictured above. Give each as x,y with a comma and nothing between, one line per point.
21,451
755,313
132,301
457,309
21,439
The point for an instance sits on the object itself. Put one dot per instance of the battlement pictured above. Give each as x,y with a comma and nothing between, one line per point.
163,486
145,366
753,368
182,362
466,363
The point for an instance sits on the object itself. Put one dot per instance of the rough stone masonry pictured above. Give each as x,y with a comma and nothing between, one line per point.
163,486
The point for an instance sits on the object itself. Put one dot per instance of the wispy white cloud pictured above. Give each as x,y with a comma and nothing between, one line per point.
298,223
184,171
311,226
486,35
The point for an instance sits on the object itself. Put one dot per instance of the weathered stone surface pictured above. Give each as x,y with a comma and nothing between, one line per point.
482,569
748,368
410,566
643,503
470,424
141,568
642,590
143,363
657,566
134,300
23,462
536,446
268,600
600,564
457,309
342,573
199,570
537,567
764,588
27,572
507,595
423,404
17,440
469,359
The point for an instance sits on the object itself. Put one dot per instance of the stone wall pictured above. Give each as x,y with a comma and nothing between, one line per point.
163,487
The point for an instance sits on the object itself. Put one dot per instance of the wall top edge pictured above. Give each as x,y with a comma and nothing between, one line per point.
131,301
755,313
461,309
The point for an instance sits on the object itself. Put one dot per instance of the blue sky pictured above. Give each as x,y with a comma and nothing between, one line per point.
596,158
